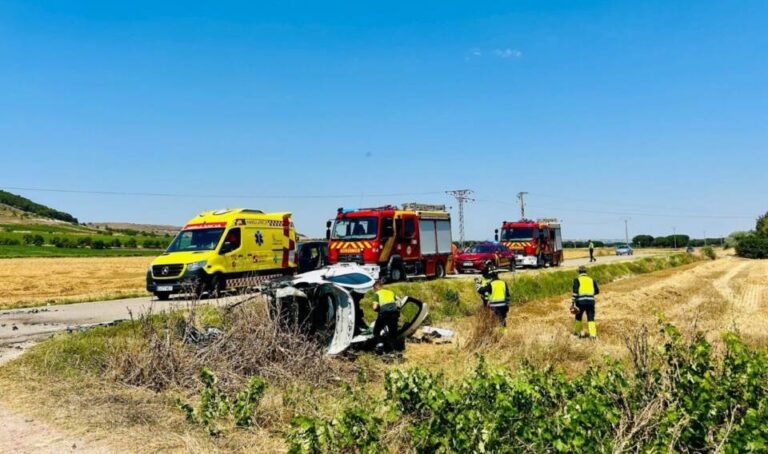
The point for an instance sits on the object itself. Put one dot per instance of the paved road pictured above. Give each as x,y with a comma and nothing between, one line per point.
20,327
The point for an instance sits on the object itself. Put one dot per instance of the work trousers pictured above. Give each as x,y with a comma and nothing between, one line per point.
501,313
591,255
589,308
387,320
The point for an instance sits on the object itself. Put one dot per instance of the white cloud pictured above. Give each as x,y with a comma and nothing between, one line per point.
508,53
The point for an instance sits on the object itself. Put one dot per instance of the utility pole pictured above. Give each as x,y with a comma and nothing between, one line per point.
521,197
674,236
626,231
462,197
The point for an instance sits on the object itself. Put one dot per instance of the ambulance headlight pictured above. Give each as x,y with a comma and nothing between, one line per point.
194,266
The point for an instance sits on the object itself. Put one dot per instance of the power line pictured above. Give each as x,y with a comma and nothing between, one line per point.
626,213
462,196
218,196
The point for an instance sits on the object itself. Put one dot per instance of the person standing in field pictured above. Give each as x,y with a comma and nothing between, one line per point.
592,252
584,291
454,256
389,314
497,295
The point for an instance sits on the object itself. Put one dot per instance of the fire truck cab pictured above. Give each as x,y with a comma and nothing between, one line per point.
535,243
394,243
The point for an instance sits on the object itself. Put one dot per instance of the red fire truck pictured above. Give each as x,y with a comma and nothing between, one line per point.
535,243
412,241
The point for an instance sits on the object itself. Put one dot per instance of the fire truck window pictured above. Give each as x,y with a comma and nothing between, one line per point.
357,228
517,234
387,227
409,227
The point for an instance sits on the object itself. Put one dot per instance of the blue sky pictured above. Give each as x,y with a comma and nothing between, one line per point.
602,110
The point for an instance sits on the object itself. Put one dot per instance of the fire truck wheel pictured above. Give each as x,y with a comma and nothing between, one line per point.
439,271
396,273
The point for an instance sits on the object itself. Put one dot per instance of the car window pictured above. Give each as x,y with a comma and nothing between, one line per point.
350,279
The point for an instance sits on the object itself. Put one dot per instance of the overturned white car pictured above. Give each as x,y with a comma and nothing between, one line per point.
326,304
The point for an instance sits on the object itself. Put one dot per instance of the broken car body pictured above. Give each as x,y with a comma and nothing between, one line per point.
326,304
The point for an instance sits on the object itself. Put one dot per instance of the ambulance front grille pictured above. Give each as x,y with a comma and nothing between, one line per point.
167,271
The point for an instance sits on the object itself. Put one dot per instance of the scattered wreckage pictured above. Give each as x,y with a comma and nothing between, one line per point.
325,303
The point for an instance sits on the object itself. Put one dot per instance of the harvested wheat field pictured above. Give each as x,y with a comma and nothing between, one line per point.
711,296
35,281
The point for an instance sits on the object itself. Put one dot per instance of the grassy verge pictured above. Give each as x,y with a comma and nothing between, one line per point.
121,383
448,298
47,251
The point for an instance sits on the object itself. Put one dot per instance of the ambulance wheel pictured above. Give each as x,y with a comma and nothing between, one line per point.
163,296
217,286
439,271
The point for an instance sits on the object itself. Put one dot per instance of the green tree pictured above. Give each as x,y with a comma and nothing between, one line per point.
642,240
38,240
131,243
761,226
98,244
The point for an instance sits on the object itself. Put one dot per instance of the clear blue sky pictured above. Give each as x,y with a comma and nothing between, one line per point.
652,110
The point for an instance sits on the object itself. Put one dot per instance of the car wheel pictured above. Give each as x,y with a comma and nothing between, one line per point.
163,296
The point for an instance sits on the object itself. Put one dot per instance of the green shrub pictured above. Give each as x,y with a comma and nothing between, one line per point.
752,247
709,252
680,397
217,409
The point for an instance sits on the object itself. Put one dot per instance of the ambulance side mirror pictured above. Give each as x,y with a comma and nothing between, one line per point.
496,235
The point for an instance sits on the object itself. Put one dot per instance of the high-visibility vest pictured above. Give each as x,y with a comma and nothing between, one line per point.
386,300
586,292
498,294
591,245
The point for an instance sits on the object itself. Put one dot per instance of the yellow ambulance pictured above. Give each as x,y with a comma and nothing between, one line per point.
225,249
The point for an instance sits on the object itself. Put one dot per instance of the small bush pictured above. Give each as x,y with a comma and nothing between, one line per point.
709,252
217,410
752,247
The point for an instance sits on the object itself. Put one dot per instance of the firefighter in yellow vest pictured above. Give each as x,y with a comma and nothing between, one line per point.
498,297
584,290
389,314
483,284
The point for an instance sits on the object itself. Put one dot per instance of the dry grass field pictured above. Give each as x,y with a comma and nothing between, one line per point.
579,253
712,296
35,281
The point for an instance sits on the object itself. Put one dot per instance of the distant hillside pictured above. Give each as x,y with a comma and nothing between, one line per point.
130,227
30,208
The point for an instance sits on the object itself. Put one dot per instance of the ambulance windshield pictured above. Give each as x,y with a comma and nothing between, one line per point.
196,240
354,228
517,234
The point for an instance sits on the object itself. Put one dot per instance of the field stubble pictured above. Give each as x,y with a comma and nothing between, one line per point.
35,281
